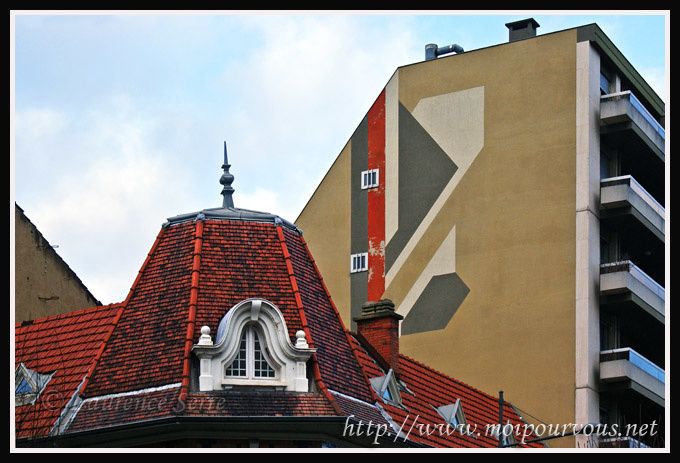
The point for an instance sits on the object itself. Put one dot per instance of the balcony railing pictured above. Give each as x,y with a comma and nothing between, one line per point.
636,272
625,279
635,359
625,369
624,194
637,188
638,106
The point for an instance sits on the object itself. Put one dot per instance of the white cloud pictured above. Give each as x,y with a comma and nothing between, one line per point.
39,123
115,169
266,200
301,93
98,174
106,200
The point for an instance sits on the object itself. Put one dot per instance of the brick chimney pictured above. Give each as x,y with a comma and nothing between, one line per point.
378,331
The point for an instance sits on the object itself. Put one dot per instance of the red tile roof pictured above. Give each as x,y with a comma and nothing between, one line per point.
195,272
429,389
65,344
146,348
258,403
106,411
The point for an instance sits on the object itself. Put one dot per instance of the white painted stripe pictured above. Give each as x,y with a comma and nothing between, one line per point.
392,157
68,413
354,399
137,392
456,122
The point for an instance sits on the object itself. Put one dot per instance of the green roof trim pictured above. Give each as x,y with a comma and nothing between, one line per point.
593,33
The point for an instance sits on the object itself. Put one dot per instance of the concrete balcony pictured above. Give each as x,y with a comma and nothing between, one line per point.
626,369
622,111
624,196
624,282
622,443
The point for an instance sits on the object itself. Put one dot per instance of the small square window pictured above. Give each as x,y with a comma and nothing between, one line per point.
359,262
370,179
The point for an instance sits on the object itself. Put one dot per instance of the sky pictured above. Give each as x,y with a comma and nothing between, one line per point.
119,120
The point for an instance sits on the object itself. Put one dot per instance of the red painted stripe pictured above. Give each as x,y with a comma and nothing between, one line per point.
376,200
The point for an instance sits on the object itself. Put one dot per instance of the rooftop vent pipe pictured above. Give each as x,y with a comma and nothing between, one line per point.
432,51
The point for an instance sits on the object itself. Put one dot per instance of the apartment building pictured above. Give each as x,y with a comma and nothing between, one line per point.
510,201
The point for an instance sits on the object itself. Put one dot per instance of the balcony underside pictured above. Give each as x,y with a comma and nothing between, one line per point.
621,201
622,113
620,375
629,286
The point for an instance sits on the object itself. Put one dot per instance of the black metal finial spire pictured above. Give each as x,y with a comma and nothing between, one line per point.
227,179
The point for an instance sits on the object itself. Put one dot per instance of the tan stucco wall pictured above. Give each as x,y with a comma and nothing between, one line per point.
44,284
515,227
325,222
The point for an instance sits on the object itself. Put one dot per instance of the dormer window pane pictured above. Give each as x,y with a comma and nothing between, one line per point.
23,387
251,361
262,367
238,366
387,395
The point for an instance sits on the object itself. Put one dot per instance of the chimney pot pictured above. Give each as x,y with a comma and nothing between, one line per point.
378,329
522,29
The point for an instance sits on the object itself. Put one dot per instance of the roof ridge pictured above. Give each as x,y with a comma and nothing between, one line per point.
374,396
303,320
193,302
116,319
60,316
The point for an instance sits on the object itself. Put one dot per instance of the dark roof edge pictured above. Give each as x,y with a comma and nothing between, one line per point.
593,33
232,213
224,427
59,258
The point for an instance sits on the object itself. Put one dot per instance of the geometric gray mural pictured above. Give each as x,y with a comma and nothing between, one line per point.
436,305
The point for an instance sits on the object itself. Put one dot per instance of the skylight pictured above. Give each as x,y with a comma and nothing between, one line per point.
29,384
453,413
387,388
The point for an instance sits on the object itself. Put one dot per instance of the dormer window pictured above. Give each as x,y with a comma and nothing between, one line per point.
253,349
28,385
453,413
387,388
251,360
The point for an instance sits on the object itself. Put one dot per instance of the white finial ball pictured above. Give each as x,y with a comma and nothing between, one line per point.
205,330
301,341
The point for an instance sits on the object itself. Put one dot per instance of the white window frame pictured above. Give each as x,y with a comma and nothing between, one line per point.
250,331
356,260
381,384
453,413
288,360
36,381
367,182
